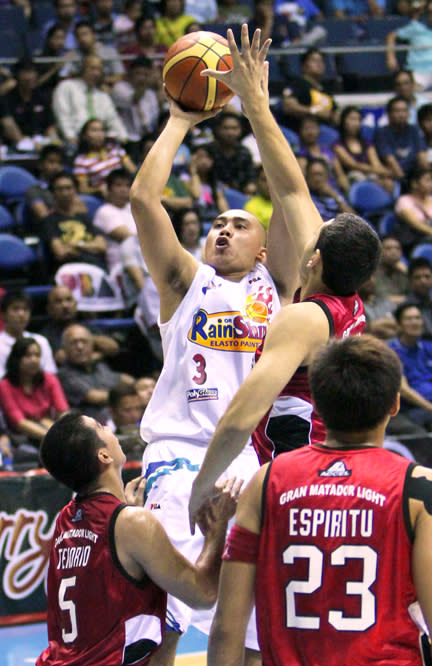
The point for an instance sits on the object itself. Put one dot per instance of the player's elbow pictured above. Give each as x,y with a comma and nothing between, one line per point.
206,596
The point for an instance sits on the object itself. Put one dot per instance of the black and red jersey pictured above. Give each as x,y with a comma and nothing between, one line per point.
98,615
333,579
291,421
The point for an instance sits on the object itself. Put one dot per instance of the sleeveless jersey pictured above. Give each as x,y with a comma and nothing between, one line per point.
208,347
98,615
291,421
333,580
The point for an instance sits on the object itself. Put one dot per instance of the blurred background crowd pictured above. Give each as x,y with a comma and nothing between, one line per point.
82,102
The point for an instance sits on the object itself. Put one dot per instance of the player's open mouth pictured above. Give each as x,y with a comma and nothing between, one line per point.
222,242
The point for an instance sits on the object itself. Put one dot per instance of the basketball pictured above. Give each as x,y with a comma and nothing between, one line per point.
189,56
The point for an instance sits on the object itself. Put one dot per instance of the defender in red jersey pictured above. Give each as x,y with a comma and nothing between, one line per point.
331,259
334,541
111,563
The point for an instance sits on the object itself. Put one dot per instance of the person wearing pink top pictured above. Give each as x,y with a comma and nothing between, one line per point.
31,399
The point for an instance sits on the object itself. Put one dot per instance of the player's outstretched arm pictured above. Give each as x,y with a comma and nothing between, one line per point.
248,79
296,332
143,547
170,265
237,585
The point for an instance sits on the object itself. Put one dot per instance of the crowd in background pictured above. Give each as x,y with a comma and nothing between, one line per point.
80,111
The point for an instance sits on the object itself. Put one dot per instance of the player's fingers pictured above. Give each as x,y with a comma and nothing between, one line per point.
217,75
256,41
140,491
235,54
237,486
264,50
245,43
265,78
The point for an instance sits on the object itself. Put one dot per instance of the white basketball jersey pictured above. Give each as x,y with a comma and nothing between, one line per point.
209,345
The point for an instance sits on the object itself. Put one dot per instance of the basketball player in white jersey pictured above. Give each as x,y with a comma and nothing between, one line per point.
212,318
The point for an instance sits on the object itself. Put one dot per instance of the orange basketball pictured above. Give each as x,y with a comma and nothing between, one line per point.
186,58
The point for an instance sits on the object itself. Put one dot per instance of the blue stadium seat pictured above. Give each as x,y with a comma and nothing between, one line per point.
14,253
328,135
339,31
291,137
422,250
379,28
92,203
12,17
387,224
42,13
7,220
14,183
12,44
367,197
235,198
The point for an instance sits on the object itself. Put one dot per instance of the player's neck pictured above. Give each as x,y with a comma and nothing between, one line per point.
365,439
313,286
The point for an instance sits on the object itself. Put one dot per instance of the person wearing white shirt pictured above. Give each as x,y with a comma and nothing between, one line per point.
77,100
16,312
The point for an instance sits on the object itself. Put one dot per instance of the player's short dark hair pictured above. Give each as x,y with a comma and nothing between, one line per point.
350,251
118,392
69,452
354,383
401,309
416,263
14,296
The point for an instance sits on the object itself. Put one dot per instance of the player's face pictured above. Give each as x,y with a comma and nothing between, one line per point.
109,439
235,243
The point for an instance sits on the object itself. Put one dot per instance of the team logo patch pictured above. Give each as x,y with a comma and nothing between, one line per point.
229,331
337,468
200,394
78,516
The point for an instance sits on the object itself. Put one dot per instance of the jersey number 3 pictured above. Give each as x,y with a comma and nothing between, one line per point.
200,376
315,579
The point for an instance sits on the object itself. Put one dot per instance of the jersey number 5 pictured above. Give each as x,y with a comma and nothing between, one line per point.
315,579
69,607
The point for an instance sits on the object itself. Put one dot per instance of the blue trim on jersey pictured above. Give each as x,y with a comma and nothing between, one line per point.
171,623
163,467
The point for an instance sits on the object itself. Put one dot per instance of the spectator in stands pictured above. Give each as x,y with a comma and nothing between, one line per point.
420,291
392,272
144,386
379,311
114,219
69,236
172,23
39,198
97,157
26,117
103,20
260,204
328,200
126,412
424,119
232,161
16,313
415,33
86,383
30,399
6,449
282,31
357,9
77,100
416,357
124,24
311,147
189,231
62,311
303,14
146,43
414,211
51,73
203,185
305,95
400,146
234,11
405,86
357,156
202,11
86,38
66,15
137,103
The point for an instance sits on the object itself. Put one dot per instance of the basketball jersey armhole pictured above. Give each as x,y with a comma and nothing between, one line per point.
111,539
325,308
405,502
264,492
